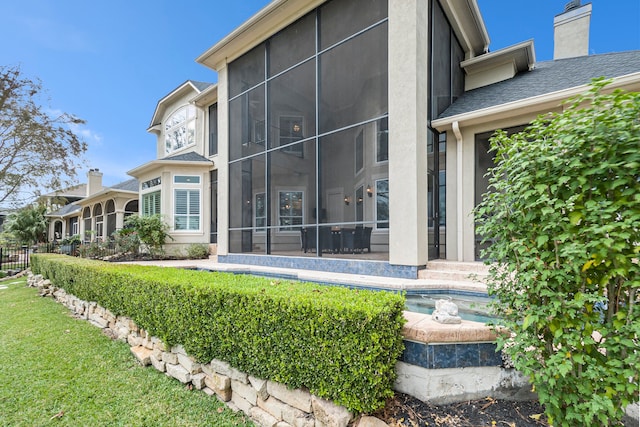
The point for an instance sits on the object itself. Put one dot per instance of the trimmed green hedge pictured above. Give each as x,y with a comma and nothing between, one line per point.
341,344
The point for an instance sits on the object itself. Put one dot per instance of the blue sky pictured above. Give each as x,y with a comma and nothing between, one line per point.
110,62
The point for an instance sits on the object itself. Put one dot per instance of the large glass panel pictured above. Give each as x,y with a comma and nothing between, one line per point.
337,175
457,73
353,81
293,44
213,129
440,62
246,178
290,172
292,113
247,71
247,124
341,18
246,241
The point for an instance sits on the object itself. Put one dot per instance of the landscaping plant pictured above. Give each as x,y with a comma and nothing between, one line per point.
151,230
563,216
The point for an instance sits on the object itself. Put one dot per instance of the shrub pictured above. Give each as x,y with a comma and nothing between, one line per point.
151,230
127,241
564,217
197,251
341,344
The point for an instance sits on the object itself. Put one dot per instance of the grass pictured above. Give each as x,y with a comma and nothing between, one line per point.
57,370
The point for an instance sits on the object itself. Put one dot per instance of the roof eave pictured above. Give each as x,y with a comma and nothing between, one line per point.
274,17
546,101
154,164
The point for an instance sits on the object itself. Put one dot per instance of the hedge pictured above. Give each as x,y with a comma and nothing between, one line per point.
341,344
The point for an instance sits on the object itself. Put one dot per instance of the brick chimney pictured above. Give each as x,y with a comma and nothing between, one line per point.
94,181
571,31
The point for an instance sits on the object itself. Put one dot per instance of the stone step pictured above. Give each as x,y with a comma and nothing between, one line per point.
476,267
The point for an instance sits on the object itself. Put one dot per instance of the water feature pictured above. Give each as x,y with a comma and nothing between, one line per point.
471,305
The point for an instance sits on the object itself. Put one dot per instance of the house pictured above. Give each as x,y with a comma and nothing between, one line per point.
352,135
90,210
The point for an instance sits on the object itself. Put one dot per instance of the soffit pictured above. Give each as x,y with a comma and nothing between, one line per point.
467,23
162,165
268,21
522,55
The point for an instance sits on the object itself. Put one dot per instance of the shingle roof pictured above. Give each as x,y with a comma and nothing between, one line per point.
191,156
65,210
129,185
547,77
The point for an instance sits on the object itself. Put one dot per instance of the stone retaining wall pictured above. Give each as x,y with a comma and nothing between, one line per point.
267,403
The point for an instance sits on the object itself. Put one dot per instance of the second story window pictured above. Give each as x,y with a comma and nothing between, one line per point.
180,129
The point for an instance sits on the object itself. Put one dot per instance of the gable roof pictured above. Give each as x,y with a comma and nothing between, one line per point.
191,156
546,77
189,85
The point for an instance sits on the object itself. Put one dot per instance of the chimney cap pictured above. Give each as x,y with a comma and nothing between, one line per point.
573,4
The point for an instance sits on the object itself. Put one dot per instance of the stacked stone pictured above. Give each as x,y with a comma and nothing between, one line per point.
267,403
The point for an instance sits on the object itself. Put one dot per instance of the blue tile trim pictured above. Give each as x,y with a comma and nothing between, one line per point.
347,266
457,355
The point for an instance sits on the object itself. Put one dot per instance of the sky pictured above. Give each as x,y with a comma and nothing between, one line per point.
109,62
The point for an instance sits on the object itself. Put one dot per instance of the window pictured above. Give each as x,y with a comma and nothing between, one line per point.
151,183
186,179
382,203
74,226
290,210
180,129
260,212
382,140
187,210
151,204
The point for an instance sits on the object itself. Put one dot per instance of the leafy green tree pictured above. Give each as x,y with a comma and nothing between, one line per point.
38,149
151,230
563,216
28,225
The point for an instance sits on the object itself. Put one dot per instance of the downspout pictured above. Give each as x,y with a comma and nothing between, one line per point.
455,126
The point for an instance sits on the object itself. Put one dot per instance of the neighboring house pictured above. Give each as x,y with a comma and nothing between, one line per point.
352,135
178,184
97,213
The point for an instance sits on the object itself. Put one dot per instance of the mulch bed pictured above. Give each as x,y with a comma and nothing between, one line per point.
403,410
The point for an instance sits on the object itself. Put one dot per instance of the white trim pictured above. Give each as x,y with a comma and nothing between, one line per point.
555,98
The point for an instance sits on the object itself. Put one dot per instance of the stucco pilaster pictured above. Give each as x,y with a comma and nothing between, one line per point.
408,95
223,159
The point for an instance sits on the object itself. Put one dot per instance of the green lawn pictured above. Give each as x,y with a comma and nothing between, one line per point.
57,370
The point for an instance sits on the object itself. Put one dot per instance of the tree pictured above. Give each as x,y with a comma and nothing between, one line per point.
37,149
28,225
563,216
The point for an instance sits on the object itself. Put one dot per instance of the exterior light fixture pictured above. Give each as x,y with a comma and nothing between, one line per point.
347,200
369,191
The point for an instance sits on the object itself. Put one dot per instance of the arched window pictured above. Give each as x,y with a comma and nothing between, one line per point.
180,129
97,213
111,218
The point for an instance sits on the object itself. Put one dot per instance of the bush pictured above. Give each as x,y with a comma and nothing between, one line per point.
127,241
564,217
341,344
151,231
197,251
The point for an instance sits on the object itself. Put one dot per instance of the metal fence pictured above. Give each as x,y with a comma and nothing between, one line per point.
14,257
